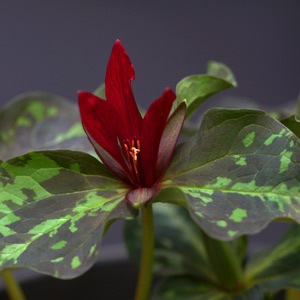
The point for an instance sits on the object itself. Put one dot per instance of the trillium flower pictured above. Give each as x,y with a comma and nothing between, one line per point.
136,149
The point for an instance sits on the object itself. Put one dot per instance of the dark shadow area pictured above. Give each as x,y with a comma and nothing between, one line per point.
103,281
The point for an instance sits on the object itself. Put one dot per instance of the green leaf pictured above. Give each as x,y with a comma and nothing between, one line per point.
36,121
293,124
240,172
279,266
220,70
55,207
189,288
197,88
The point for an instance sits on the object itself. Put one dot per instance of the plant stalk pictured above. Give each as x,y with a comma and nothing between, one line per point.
225,263
146,264
291,294
13,289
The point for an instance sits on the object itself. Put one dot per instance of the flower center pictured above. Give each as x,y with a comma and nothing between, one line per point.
132,150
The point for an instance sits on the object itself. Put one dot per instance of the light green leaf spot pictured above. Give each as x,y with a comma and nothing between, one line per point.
198,213
75,262
274,198
5,209
7,220
52,111
272,137
287,154
37,110
75,131
45,226
222,223
15,192
59,245
12,251
232,233
221,183
206,199
57,260
249,139
197,194
80,215
238,214
239,160
37,164
93,199
285,160
23,121
250,187
284,164
92,250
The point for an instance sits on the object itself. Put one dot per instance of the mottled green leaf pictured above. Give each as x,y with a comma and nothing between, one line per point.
197,88
55,207
240,172
293,124
189,288
279,266
36,121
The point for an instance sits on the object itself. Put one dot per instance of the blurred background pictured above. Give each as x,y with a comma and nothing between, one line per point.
63,46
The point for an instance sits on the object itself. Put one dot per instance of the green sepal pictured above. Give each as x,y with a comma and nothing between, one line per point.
240,172
37,121
55,207
279,266
196,89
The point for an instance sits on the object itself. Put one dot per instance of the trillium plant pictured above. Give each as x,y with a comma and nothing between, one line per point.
227,178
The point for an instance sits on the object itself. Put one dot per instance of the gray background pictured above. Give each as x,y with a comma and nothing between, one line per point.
63,46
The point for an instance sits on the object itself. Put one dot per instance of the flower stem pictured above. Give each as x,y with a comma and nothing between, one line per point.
12,287
291,294
145,273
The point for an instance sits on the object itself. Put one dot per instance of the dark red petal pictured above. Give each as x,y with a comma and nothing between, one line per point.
153,126
169,138
138,197
101,122
118,90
